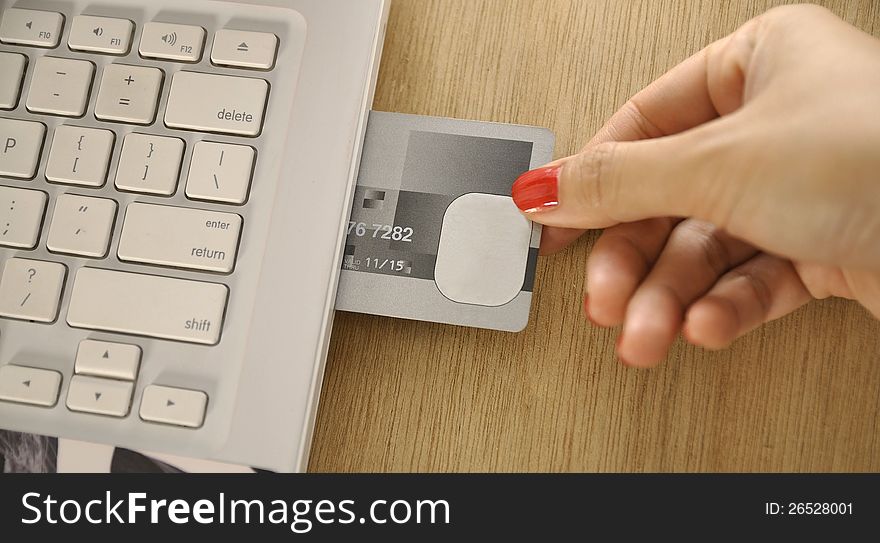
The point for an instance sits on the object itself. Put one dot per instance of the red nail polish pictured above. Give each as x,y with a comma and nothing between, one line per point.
537,190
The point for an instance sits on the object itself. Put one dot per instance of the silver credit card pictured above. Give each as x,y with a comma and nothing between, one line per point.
433,233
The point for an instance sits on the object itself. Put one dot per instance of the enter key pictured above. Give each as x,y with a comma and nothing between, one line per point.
180,237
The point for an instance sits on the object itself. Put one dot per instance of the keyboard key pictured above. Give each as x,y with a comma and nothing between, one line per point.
216,103
220,172
179,237
100,396
129,94
100,35
80,156
244,49
12,67
60,86
148,305
20,223
31,386
31,289
21,143
172,42
31,27
176,406
81,225
149,164
106,359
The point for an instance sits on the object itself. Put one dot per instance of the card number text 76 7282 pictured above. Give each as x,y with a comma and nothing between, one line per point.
383,231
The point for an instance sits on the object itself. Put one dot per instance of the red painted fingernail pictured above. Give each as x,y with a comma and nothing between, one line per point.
537,190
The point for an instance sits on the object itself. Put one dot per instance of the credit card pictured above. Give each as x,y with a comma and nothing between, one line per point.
433,234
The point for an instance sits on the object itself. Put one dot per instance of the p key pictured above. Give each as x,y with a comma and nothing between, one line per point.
20,145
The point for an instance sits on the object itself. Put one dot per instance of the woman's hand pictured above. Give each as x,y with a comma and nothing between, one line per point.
734,189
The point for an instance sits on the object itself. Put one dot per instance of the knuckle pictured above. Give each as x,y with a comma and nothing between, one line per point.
634,112
593,172
781,18
711,244
758,286
817,279
796,10
716,254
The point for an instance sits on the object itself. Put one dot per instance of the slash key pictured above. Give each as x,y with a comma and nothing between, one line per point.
31,289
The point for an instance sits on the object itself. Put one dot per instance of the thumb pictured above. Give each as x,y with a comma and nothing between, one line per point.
616,182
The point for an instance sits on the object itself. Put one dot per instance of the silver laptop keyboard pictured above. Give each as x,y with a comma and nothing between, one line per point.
210,178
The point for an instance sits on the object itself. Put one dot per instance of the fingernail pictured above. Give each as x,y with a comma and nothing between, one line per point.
537,190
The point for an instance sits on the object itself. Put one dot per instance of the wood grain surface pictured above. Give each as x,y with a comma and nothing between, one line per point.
801,394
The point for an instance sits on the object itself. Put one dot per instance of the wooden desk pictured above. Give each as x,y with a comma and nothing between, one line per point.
802,394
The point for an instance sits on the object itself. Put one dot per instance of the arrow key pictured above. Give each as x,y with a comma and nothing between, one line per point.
32,386
174,406
100,396
106,359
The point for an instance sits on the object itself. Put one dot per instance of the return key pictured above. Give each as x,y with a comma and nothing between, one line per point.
180,237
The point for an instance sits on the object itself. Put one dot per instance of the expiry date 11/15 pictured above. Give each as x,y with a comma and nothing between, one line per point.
383,231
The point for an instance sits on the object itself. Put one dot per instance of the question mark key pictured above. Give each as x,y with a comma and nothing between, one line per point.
31,289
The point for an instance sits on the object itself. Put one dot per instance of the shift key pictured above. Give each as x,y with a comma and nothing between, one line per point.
180,237
223,104
147,305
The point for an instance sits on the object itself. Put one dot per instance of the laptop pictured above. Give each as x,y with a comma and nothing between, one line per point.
175,183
